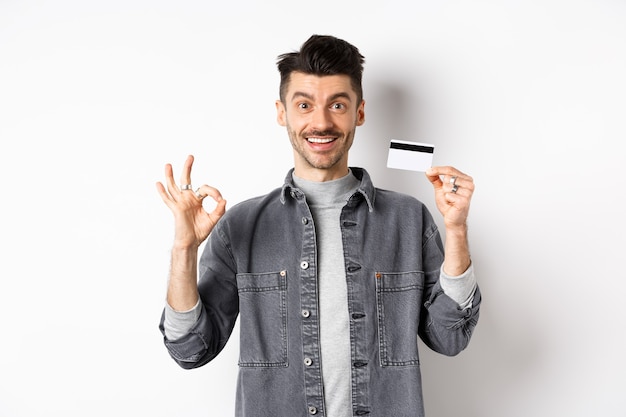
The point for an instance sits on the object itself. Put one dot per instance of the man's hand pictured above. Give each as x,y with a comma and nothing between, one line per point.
453,193
192,222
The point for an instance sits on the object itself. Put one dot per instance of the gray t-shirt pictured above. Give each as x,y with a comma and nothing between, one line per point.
326,199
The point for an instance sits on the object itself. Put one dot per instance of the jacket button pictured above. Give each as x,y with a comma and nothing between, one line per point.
308,361
304,264
306,313
312,410
305,220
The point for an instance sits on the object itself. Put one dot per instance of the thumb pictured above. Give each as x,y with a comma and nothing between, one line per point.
433,177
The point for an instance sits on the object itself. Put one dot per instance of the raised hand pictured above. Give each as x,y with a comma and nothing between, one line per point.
192,222
453,194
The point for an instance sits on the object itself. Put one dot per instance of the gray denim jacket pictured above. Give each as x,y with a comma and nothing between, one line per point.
259,264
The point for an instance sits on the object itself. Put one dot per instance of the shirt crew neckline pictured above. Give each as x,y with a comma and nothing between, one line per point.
328,192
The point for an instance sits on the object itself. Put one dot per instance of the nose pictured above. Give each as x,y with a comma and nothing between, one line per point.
321,118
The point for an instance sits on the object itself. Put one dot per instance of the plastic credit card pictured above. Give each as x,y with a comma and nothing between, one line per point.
413,156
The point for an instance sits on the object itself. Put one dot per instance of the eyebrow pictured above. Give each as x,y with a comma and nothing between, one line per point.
334,97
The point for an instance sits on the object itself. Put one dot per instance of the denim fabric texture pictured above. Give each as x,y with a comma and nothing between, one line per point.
259,267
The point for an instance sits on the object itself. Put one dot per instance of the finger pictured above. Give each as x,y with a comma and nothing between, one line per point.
449,175
455,189
459,187
219,210
208,191
460,199
433,176
165,196
161,189
185,177
465,183
172,188
445,170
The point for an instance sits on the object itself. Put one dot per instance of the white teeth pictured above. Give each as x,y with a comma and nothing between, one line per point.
320,140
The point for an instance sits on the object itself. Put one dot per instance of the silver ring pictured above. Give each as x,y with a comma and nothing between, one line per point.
186,187
454,188
453,179
197,193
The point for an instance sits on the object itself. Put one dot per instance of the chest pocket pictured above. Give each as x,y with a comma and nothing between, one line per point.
398,298
263,319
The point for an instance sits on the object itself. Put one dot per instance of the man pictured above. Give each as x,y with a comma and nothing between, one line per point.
332,279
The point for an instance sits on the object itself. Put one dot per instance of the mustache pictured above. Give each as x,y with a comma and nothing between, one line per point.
315,133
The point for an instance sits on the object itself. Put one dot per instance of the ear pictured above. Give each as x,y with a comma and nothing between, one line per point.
281,113
360,114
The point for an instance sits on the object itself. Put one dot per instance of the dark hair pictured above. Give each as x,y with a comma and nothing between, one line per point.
323,55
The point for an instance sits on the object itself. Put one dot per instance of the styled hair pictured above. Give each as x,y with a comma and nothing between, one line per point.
323,55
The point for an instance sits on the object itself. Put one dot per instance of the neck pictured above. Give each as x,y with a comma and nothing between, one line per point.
321,175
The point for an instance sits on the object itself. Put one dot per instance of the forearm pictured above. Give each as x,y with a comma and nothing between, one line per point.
182,290
457,256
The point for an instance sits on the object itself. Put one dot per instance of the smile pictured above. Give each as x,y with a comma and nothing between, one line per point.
320,140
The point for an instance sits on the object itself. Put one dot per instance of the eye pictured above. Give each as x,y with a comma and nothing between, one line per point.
338,106
303,106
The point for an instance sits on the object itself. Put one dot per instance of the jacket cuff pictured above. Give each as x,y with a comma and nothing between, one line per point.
178,323
460,288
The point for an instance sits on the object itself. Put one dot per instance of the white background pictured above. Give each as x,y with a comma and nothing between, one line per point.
96,96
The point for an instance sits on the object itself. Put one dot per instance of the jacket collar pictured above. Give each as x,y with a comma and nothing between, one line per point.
365,191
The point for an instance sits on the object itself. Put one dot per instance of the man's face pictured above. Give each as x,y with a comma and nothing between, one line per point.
321,114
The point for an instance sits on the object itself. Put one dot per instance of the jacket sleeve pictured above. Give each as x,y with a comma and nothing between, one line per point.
445,326
220,307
